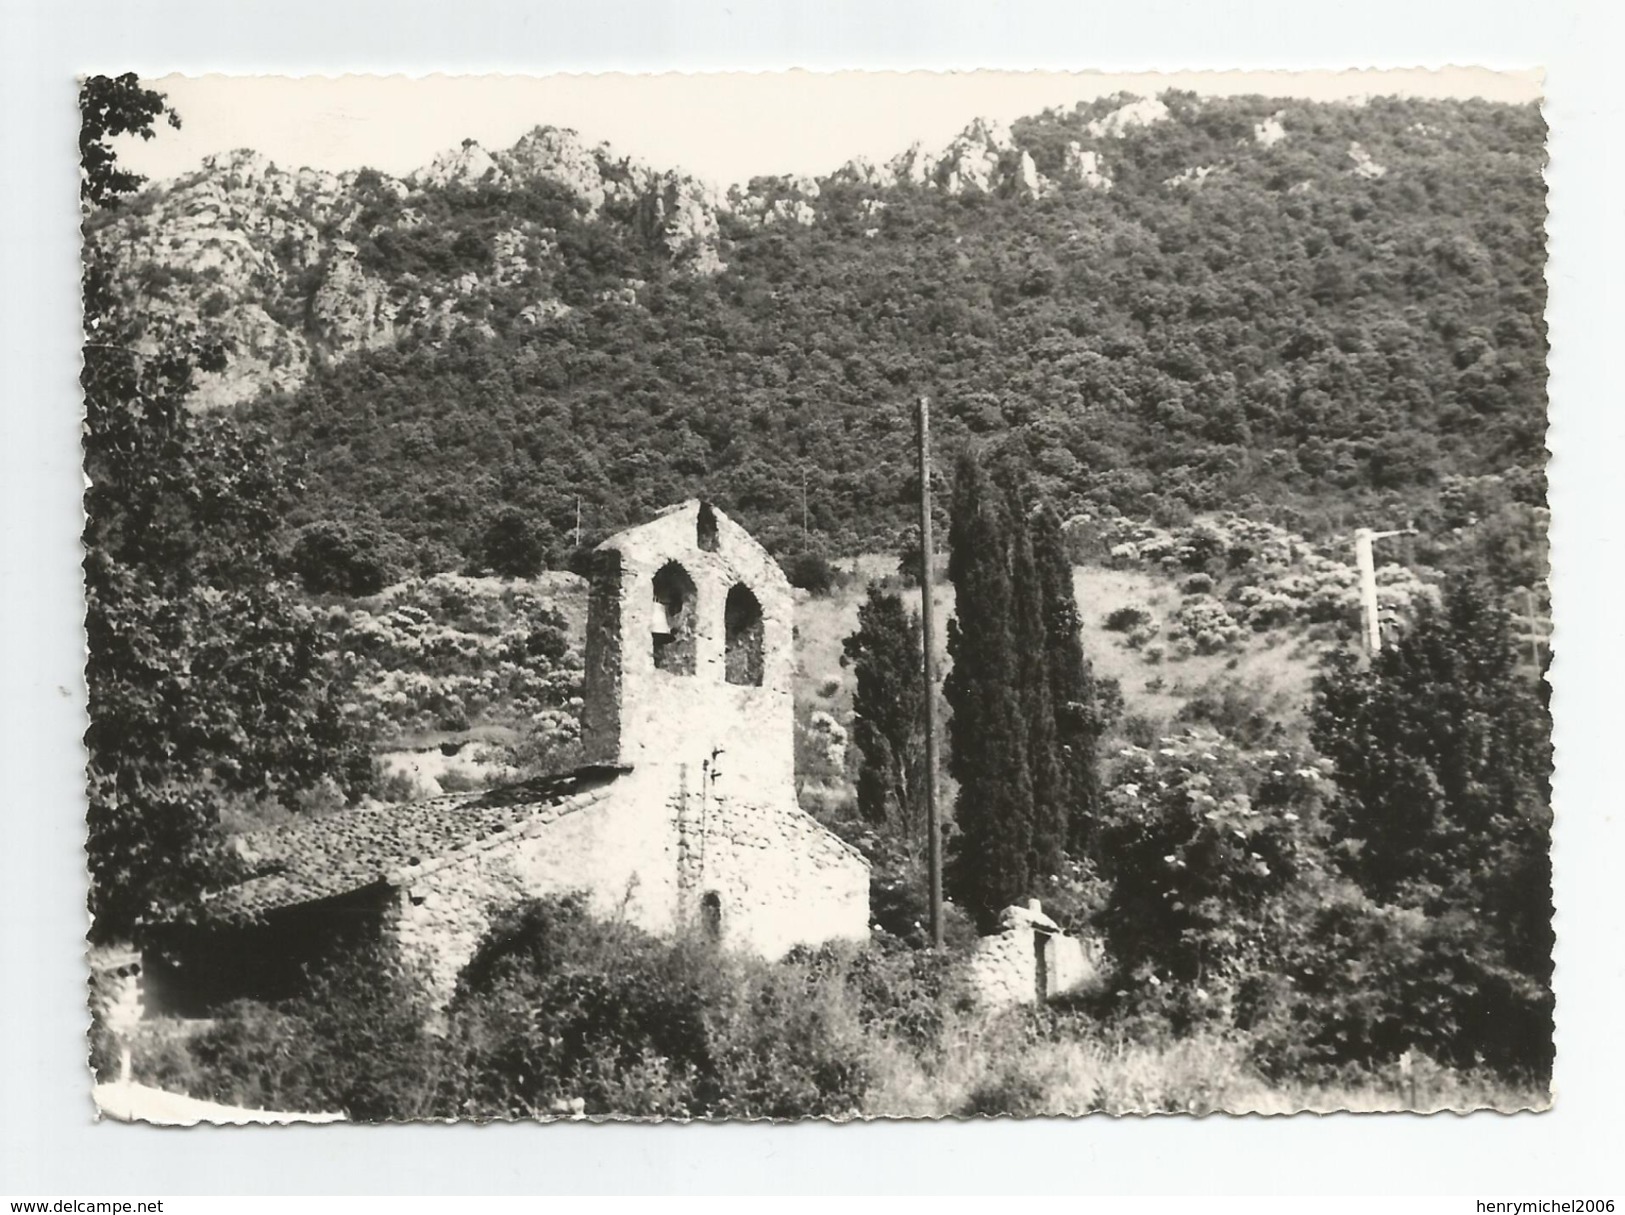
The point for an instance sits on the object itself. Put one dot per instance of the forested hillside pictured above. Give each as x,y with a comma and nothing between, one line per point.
1293,309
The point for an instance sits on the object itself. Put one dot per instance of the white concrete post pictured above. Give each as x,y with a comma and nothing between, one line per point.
1366,562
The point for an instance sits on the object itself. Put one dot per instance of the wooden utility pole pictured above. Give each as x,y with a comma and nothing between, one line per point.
933,824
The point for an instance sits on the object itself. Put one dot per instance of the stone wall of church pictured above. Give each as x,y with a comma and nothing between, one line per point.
642,849
778,878
610,843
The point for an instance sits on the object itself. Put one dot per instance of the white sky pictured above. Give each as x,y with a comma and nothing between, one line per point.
724,127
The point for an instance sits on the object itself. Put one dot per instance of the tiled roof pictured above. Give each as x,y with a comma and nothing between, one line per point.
324,857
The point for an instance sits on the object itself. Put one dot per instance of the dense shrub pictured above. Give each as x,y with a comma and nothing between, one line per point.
1251,712
357,1041
811,571
1362,983
1126,618
1201,841
557,1006
1205,625
515,543
457,649
346,559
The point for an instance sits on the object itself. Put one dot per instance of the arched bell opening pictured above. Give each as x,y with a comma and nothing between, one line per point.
742,620
671,620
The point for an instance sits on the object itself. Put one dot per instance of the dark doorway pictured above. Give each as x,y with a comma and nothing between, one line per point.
711,916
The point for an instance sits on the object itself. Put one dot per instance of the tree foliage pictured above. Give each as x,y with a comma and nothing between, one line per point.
1083,706
345,559
1017,656
888,715
515,544
1204,843
111,106
991,866
1286,333
207,679
1443,747
1442,750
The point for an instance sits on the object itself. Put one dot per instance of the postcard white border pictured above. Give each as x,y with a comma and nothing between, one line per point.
48,1145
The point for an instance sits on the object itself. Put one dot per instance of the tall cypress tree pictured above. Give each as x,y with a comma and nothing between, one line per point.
1048,839
991,864
888,714
1082,710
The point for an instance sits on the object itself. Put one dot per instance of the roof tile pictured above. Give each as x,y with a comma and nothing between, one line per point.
325,857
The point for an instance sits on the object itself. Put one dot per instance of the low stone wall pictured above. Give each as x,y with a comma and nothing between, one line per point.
1005,968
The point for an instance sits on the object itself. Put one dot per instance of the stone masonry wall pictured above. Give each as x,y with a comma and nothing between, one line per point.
610,843
1004,968
780,878
641,849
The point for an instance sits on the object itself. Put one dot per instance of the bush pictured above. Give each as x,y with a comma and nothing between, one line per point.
1203,620
1364,983
515,543
556,1006
1249,712
1129,616
336,558
395,786
810,571
1202,549
908,994
356,1041
900,907
1009,1092
1201,840
1139,637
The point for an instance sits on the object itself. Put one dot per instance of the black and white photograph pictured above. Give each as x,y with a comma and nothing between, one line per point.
840,596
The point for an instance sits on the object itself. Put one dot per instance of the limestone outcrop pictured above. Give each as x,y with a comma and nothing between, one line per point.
292,268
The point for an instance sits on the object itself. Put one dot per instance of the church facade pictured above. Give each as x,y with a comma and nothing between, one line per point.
684,820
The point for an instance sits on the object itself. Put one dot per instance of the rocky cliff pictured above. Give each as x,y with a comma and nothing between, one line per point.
293,268
296,268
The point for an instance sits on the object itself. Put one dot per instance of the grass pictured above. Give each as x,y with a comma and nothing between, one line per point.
986,1069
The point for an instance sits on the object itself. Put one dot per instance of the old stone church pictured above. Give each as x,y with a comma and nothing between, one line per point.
684,819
